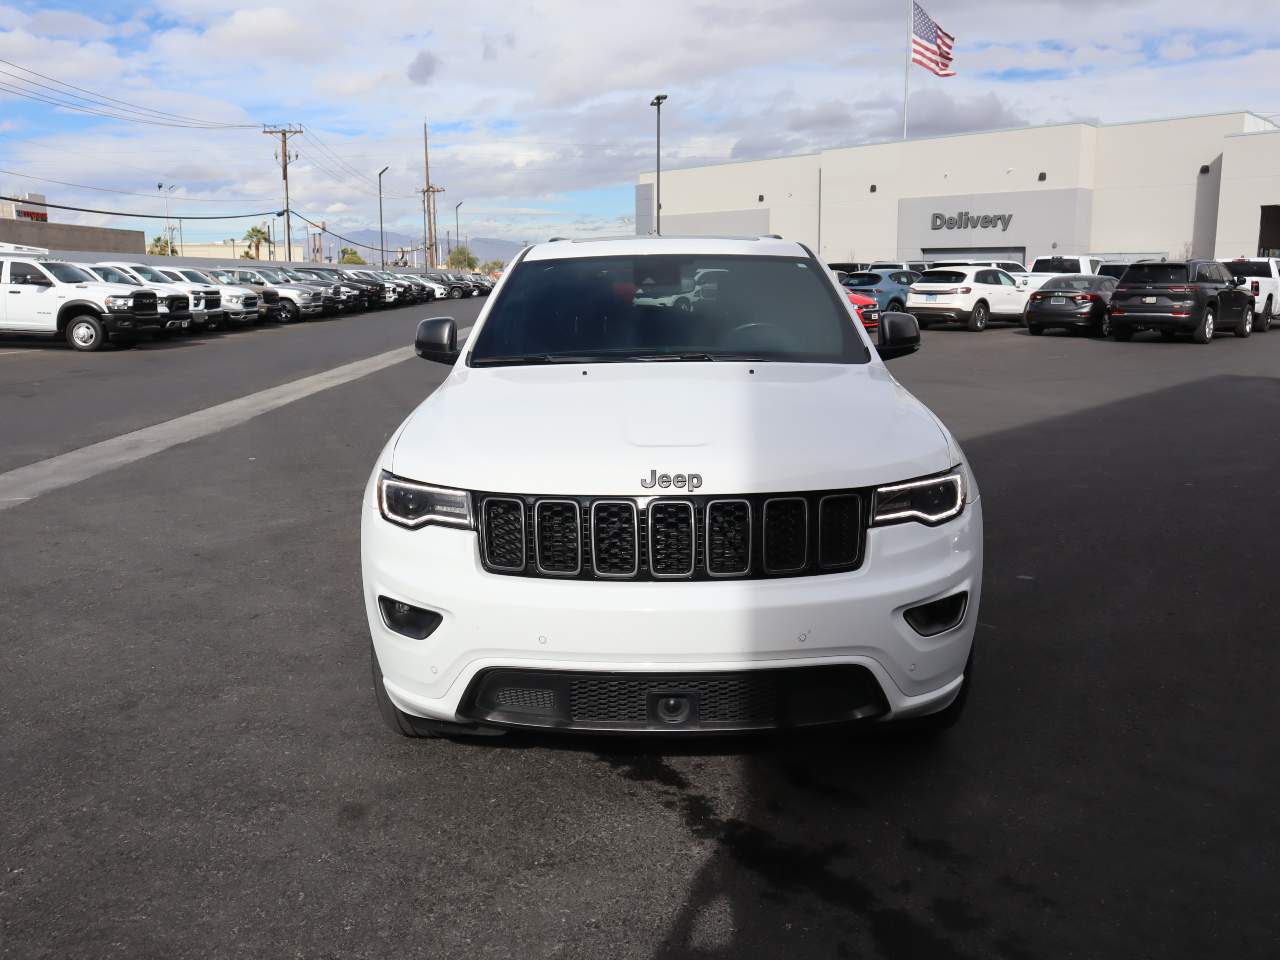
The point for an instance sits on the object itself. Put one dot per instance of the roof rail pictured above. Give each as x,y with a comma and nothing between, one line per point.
557,239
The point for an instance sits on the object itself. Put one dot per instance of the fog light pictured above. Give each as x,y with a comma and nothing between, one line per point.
937,616
408,620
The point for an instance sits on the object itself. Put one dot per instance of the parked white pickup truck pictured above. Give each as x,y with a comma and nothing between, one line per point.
1261,275
1042,268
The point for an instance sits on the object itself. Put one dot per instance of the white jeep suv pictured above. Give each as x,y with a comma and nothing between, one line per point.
972,295
615,515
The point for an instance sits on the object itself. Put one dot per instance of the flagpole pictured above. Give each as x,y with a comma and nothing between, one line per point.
906,74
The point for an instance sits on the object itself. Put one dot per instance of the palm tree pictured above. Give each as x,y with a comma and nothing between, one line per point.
256,237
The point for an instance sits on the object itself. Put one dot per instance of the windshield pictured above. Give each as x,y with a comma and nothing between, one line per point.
222,276
1056,265
195,276
1249,268
270,276
943,276
151,274
1156,273
603,309
68,273
112,275
1113,269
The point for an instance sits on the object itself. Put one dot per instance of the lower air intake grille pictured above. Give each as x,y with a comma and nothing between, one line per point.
673,702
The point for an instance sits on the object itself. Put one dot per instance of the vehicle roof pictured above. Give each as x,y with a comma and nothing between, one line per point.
631,246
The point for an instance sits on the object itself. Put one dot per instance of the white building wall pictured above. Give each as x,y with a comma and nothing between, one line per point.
1147,179
1250,181
1148,196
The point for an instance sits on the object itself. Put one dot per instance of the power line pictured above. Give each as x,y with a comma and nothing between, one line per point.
356,243
126,193
95,112
103,99
147,216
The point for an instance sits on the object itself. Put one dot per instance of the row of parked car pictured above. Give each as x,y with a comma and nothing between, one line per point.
1196,297
119,301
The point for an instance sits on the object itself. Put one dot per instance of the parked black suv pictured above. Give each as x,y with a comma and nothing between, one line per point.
457,289
1198,297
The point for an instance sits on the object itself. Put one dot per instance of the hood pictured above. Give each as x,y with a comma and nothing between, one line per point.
234,289
785,427
110,289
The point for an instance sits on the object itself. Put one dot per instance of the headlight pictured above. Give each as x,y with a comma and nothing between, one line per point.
414,505
119,303
234,298
932,500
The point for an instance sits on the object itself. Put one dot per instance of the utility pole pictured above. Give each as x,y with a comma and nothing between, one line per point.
429,223
284,133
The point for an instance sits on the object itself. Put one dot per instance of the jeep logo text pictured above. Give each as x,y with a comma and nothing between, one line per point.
690,480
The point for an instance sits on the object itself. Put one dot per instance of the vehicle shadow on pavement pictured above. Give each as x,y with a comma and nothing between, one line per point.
1108,793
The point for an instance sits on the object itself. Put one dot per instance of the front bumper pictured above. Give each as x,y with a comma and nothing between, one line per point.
131,322
239,314
490,622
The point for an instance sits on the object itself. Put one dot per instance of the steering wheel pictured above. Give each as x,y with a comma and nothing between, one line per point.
752,332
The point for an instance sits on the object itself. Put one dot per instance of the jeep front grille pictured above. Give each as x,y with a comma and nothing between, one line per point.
672,538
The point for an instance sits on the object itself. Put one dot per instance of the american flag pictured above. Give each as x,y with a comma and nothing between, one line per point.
930,44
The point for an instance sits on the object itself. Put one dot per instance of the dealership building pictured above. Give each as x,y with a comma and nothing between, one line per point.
1205,186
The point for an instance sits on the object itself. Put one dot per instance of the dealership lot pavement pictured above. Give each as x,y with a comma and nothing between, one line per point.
191,764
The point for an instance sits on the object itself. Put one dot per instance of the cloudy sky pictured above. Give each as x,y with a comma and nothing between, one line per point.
539,111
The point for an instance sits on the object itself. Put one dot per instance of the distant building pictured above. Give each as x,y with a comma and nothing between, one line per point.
1206,186
29,206
26,221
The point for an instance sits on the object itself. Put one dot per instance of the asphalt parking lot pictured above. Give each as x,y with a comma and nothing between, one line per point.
191,764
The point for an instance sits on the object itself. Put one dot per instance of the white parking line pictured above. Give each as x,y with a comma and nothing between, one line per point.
24,483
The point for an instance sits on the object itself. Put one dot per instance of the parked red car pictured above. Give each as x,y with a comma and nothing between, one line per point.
868,310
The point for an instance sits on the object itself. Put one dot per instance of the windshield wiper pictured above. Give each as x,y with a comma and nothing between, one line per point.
671,357
529,360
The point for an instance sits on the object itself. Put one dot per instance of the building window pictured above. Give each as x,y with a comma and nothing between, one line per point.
1043,177
873,188
1204,168
760,199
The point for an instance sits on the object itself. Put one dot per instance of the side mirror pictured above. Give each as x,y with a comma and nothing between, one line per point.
36,280
899,335
437,339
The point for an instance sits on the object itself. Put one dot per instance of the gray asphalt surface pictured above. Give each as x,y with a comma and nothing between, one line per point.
191,764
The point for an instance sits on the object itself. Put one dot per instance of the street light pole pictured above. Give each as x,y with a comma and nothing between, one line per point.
457,234
382,240
657,209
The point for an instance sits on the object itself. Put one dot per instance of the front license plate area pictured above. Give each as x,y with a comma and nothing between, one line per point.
931,298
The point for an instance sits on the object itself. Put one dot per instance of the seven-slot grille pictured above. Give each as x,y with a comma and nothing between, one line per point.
672,538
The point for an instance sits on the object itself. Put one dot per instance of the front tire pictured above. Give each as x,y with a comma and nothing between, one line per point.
85,333
291,312
895,306
395,718
979,317
455,293
1205,328
1245,326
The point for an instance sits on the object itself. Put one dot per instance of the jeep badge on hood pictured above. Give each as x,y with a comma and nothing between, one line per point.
692,480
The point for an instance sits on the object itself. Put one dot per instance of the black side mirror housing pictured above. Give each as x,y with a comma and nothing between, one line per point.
437,339
899,335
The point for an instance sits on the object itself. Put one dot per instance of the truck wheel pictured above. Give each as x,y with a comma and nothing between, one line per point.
1204,330
291,312
1104,326
1264,321
1245,326
455,293
895,306
85,333
978,317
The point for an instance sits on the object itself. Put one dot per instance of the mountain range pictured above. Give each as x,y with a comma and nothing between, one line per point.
485,248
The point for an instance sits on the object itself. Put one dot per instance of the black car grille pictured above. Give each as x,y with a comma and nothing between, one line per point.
673,702
178,304
145,302
213,301
251,303
672,538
